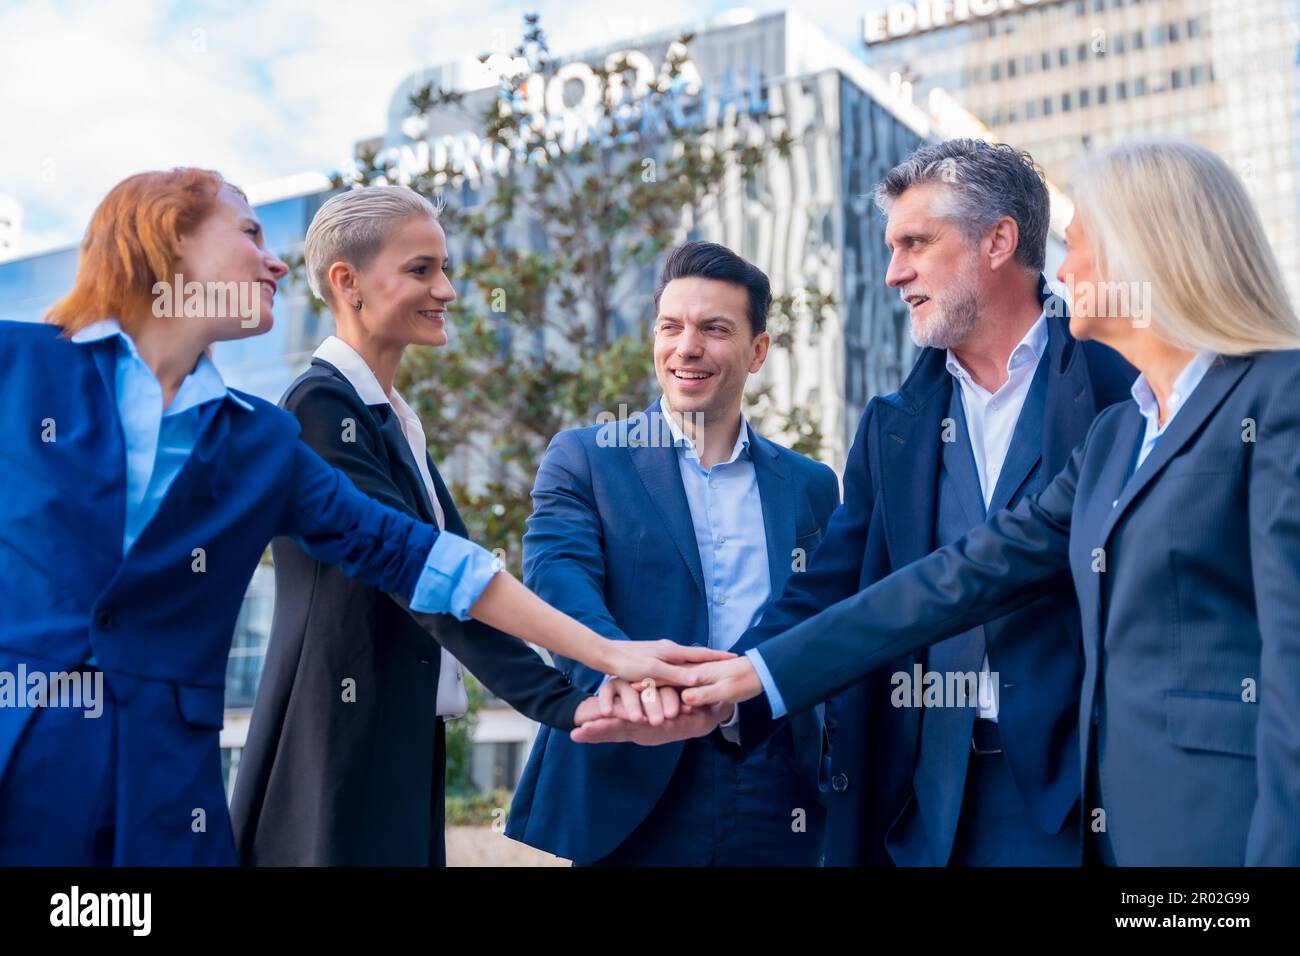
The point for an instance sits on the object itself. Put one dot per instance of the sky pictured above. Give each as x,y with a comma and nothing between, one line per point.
91,92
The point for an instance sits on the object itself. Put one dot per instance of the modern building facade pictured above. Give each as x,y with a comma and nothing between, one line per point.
1057,77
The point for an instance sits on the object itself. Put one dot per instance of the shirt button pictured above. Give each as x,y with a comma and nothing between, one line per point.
722,599
722,539
840,782
104,621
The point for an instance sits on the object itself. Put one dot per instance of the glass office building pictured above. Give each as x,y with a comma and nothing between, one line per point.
1057,77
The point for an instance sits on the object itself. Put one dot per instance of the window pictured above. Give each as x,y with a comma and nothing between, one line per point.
1031,109
1176,80
1083,98
1193,29
1063,56
1047,106
1065,102
1140,86
1081,54
1137,40
1101,95
1197,75
1173,33
1119,43
1121,90
1011,68
1047,60
995,71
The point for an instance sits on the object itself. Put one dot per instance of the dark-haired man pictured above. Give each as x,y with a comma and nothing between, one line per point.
678,522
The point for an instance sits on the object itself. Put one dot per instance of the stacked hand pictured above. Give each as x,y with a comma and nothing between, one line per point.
641,712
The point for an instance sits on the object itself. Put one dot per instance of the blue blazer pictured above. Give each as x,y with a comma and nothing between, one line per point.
611,543
1188,582
159,630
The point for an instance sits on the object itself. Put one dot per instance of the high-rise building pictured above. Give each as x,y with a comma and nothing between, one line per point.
1057,77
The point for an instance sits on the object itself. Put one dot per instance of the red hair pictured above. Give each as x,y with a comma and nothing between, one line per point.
131,243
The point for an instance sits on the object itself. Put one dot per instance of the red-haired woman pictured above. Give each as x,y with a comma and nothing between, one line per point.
137,494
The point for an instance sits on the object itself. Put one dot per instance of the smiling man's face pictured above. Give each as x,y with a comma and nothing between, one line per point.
933,265
704,348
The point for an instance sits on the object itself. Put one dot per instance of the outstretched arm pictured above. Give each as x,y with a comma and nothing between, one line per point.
998,567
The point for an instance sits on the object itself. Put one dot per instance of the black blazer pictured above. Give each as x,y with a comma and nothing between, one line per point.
352,774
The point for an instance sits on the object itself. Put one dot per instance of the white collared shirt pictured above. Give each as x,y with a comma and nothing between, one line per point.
453,701
991,421
991,416
1184,385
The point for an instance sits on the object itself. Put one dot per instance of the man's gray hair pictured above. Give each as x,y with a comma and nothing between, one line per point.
985,181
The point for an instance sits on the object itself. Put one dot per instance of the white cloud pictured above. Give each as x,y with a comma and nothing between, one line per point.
92,93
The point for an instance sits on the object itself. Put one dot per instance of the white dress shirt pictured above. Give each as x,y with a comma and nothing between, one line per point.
453,701
991,421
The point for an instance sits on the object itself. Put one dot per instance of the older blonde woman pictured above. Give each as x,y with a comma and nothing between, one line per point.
345,757
1178,519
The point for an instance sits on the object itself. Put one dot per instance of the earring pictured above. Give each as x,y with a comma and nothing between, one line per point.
358,305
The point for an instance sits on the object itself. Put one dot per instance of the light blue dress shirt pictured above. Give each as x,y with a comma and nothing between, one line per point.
159,441
727,513
1184,385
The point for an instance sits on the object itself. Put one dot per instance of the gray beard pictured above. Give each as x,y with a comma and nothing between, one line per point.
954,319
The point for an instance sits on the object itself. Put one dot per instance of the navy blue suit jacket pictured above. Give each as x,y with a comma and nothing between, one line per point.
158,629
611,543
1188,581
887,521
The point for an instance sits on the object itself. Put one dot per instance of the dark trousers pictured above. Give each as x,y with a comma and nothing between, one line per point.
720,809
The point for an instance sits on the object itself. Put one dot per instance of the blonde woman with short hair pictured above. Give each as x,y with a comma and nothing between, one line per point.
346,748
1178,519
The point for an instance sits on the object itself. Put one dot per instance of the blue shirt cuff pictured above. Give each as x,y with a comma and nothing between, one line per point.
769,686
455,574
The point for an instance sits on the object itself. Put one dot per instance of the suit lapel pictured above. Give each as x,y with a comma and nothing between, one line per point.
1206,397
455,524
399,450
655,461
775,492
959,463
911,436
1026,448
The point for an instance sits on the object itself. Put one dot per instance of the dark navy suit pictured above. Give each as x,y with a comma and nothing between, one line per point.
142,784
899,776
611,543
1187,573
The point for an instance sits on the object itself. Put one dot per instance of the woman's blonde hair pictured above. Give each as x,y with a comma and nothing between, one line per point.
352,226
1171,213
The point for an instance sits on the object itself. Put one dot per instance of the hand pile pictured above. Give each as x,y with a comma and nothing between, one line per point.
660,692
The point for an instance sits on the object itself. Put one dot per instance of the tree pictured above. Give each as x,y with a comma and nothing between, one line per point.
553,324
